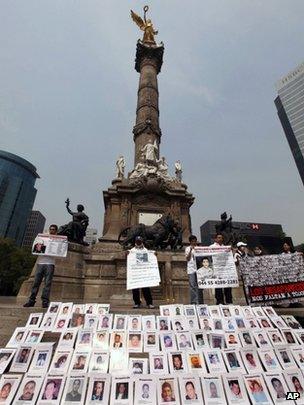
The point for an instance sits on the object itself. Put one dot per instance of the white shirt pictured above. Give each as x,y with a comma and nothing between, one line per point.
191,264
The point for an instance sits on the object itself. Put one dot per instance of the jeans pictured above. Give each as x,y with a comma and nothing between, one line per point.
196,294
219,295
45,271
146,293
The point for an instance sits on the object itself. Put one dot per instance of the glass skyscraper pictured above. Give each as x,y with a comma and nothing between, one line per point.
17,195
290,106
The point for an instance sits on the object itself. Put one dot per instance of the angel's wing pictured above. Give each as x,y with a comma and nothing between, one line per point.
138,20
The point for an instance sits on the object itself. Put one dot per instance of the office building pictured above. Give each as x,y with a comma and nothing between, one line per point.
35,225
290,106
17,195
268,236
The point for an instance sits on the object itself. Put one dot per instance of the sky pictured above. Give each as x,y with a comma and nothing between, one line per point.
68,97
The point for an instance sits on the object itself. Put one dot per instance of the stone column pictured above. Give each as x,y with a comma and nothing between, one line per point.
148,63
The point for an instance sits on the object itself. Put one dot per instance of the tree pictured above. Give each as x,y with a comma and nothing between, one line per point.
15,266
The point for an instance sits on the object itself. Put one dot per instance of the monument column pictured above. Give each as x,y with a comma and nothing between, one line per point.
148,62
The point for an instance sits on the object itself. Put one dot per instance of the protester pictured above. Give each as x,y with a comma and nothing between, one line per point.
219,293
258,251
196,294
139,247
45,267
287,248
240,253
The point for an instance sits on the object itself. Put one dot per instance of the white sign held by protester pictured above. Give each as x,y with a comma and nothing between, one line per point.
142,270
215,267
50,245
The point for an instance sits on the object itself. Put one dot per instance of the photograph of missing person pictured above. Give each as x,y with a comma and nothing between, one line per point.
122,390
291,322
177,362
257,390
191,323
68,337
277,386
184,340
41,358
179,323
80,362
39,247
205,270
74,390
232,340
166,310
247,339
98,389
163,323
233,360
167,341
61,323
28,390
295,383
285,357
120,322
218,324
91,322
101,339
51,390
190,389
199,340
105,322
22,359
151,341
103,309
177,310
226,311
145,391
203,310
235,389
261,339
48,321
77,320
84,338
251,361
138,366
290,337
158,363
195,361
167,390
269,360
214,361
189,310
298,355
206,324
134,323
117,340
148,323
90,309
78,309
99,361
34,320
17,337
217,340
34,336
6,356
9,384
213,391
54,307
135,342
66,309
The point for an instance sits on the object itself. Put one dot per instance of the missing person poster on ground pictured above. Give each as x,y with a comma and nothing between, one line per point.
142,269
272,278
215,267
50,245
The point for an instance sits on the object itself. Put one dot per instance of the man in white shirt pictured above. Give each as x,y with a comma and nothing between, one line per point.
140,248
196,294
45,267
220,292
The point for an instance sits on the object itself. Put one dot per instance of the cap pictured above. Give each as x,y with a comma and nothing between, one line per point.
240,244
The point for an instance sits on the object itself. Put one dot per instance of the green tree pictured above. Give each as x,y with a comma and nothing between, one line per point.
15,266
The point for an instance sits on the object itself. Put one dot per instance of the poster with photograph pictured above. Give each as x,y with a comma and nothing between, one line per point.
219,324
179,323
269,279
265,323
229,324
142,270
158,363
206,324
118,361
61,361
275,337
98,389
166,310
29,389
213,391
17,337
214,361
277,386
191,322
54,307
48,321
134,323
196,362
189,310
232,340
9,384
298,355
291,322
90,309
167,341
269,360
105,321
190,389
233,361
22,359
214,311
246,338
103,309
262,338
135,342
50,245
77,320
51,390
163,323
101,339
204,310
285,357
78,309
295,382
184,340
118,340
65,309
145,390
151,341
235,389
74,390
84,338
168,390
99,361
80,361
177,362
216,340
41,359
68,337
252,323
300,336
200,340
91,321
215,267
61,322
34,320
138,365
148,323
6,356
34,336
257,390
290,337
121,390
120,322
251,361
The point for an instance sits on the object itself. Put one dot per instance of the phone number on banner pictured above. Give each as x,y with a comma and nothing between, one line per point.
219,283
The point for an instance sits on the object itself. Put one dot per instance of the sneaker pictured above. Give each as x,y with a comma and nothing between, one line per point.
151,306
29,304
136,306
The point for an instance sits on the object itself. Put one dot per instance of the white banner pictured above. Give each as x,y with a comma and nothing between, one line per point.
215,267
142,270
50,245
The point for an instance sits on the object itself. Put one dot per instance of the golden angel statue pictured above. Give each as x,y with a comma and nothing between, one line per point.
145,25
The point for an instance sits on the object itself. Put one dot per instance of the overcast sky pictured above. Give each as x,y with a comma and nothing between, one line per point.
68,97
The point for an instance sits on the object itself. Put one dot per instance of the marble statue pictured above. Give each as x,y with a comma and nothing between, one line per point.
178,170
120,167
149,152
